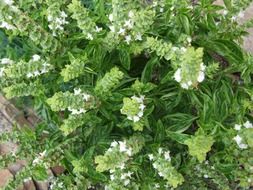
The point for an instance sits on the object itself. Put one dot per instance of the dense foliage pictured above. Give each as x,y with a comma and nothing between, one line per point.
133,94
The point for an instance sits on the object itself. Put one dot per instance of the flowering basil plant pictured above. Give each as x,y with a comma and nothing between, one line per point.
132,94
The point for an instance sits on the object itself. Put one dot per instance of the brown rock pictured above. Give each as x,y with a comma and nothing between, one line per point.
14,168
41,185
44,185
5,176
8,148
58,170
29,185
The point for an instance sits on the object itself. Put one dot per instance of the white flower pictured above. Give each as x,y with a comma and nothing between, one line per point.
77,91
50,18
201,76
129,152
6,61
63,14
74,111
111,171
86,97
1,72
161,9
121,31
248,125
98,29
142,107
128,24
202,67
238,139
128,38
136,118
155,3
111,17
123,176
140,114
185,86
89,36
183,49
174,48
114,144
177,75
112,28
36,73
155,165
237,127
160,174
243,146
122,146
138,37
8,2
126,182
131,14
7,25
189,39
129,174
43,71
225,12
36,57
189,83
82,110
167,155
151,157
206,176
112,177
122,166
29,75
157,185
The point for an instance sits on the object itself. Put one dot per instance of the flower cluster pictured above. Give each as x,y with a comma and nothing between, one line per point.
4,62
85,97
133,108
6,25
84,21
191,70
162,163
42,70
119,177
159,5
119,152
238,138
57,20
127,24
56,184
40,160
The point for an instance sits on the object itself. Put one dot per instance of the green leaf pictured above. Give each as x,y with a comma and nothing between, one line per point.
179,122
185,22
179,137
125,58
147,71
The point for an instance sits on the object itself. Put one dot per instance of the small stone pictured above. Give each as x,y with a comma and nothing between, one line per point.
7,148
58,170
5,176
29,185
